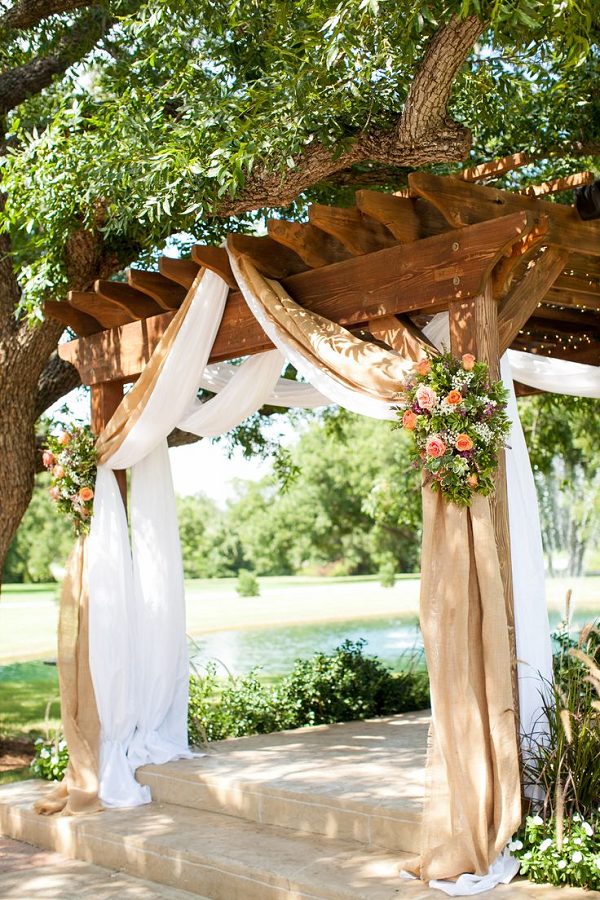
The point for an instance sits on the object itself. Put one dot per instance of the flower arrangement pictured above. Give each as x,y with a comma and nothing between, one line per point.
457,416
71,459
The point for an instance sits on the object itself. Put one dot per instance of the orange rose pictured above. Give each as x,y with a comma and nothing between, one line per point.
86,494
468,361
58,472
64,439
435,446
473,480
423,367
454,397
409,420
463,442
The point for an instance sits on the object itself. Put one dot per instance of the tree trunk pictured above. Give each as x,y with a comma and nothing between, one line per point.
24,352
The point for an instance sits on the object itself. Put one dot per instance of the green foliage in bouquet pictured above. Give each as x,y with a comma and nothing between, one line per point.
71,459
457,416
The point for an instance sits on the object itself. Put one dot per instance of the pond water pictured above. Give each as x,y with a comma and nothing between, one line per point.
396,641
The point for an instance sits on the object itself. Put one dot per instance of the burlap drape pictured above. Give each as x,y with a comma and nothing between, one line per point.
78,792
472,802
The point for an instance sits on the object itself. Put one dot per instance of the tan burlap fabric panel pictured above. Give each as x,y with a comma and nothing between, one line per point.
78,792
361,365
472,802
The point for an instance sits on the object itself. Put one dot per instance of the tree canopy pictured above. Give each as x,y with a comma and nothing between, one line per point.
128,124
179,114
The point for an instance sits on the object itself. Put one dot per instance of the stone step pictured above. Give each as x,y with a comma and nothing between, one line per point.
361,781
208,854
28,873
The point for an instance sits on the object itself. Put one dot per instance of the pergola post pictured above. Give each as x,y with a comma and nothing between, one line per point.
474,329
105,398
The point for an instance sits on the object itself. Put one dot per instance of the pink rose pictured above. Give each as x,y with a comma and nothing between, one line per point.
48,458
426,397
58,472
435,446
64,439
54,493
468,361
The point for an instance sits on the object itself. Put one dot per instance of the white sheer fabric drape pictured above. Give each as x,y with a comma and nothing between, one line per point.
138,651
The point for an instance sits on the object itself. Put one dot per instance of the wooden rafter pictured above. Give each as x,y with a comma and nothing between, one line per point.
557,185
465,204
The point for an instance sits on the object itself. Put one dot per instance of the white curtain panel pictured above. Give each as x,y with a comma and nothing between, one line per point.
138,652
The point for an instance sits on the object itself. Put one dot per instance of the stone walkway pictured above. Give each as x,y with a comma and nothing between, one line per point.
28,873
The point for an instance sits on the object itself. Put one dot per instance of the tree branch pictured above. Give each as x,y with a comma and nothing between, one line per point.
16,85
424,133
26,13
57,379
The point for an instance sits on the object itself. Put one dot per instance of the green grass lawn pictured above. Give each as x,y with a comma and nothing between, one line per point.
29,706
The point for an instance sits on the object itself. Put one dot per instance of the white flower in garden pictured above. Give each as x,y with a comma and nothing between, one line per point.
597,862
577,856
577,840
562,864
588,829
537,820
545,844
577,817
515,845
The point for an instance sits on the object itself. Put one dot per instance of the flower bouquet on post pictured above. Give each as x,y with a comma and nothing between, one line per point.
70,458
458,419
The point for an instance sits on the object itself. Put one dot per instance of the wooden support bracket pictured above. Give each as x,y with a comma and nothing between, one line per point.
522,301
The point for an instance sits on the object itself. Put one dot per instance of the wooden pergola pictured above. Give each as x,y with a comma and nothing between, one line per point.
513,271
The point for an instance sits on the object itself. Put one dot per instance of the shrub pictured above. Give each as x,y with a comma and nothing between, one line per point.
574,859
387,575
51,758
340,687
247,584
566,765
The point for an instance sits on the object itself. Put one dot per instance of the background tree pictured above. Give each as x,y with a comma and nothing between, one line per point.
563,436
126,122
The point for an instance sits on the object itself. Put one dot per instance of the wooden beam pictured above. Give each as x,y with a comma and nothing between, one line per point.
181,271
215,259
575,284
397,214
495,168
474,329
401,279
566,298
465,204
270,257
139,305
359,234
313,246
166,293
578,317
108,313
522,301
105,399
557,185
519,256
79,322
